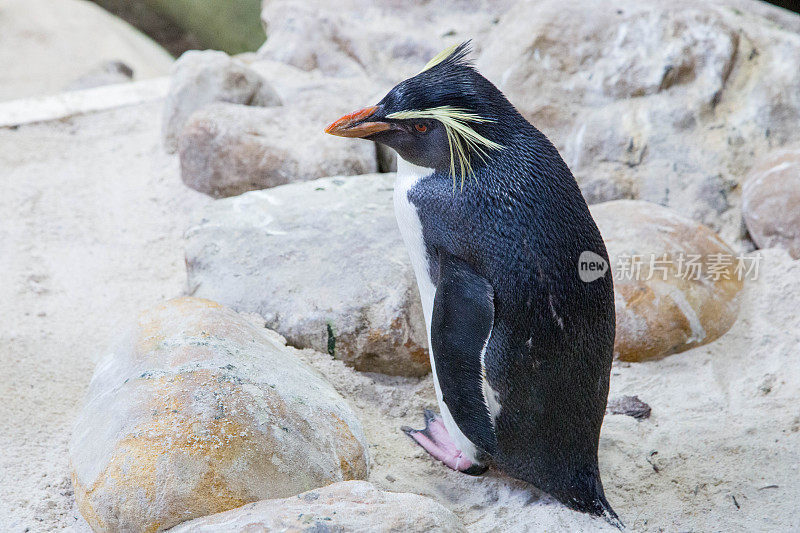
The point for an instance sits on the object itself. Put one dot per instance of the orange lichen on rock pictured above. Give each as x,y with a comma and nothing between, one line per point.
202,411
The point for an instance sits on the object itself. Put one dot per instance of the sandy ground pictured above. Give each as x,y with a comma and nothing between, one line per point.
93,214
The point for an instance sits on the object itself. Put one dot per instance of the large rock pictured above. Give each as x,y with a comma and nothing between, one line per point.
45,45
228,149
675,282
339,38
351,506
661,101
200,410
200,78
771,201
323,263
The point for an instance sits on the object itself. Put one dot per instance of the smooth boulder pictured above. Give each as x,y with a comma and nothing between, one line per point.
323,263
200,78
198,410
351,506
771,201
675,281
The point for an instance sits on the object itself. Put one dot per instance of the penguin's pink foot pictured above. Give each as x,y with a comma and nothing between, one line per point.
435,440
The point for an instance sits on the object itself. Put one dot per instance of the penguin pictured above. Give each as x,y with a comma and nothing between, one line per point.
495,226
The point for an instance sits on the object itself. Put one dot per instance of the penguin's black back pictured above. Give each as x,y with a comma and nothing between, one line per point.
521,223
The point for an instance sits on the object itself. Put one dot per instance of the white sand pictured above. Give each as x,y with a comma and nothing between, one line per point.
93,214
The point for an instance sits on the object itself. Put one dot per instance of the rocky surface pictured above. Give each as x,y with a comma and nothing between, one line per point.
198,410
339,39
771,201
675,281
630,406
201,78
323,263
226,150
352,506
46,45
665,102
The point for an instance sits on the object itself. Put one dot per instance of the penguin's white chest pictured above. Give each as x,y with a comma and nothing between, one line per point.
411,229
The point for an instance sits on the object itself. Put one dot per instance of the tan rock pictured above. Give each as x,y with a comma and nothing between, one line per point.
351,506
199,410
665,305
200,78
323,263
771,201
228,149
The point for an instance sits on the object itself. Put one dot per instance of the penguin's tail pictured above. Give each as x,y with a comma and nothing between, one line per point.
591,499
597,506
608,514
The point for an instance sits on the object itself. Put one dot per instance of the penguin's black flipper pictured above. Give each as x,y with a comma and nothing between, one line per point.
461,324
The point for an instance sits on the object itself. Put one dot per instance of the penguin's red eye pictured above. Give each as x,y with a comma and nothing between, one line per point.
422,128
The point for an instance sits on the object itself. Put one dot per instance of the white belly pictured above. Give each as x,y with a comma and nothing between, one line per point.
411,230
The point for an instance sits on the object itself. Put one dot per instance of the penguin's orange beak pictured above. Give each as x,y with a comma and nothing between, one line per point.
356,124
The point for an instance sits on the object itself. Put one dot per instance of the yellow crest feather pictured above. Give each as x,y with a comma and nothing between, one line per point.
441,56
461,138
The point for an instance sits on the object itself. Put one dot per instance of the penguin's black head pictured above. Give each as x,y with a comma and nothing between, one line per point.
447,117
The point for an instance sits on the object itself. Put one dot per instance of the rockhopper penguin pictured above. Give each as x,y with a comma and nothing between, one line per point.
495,224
